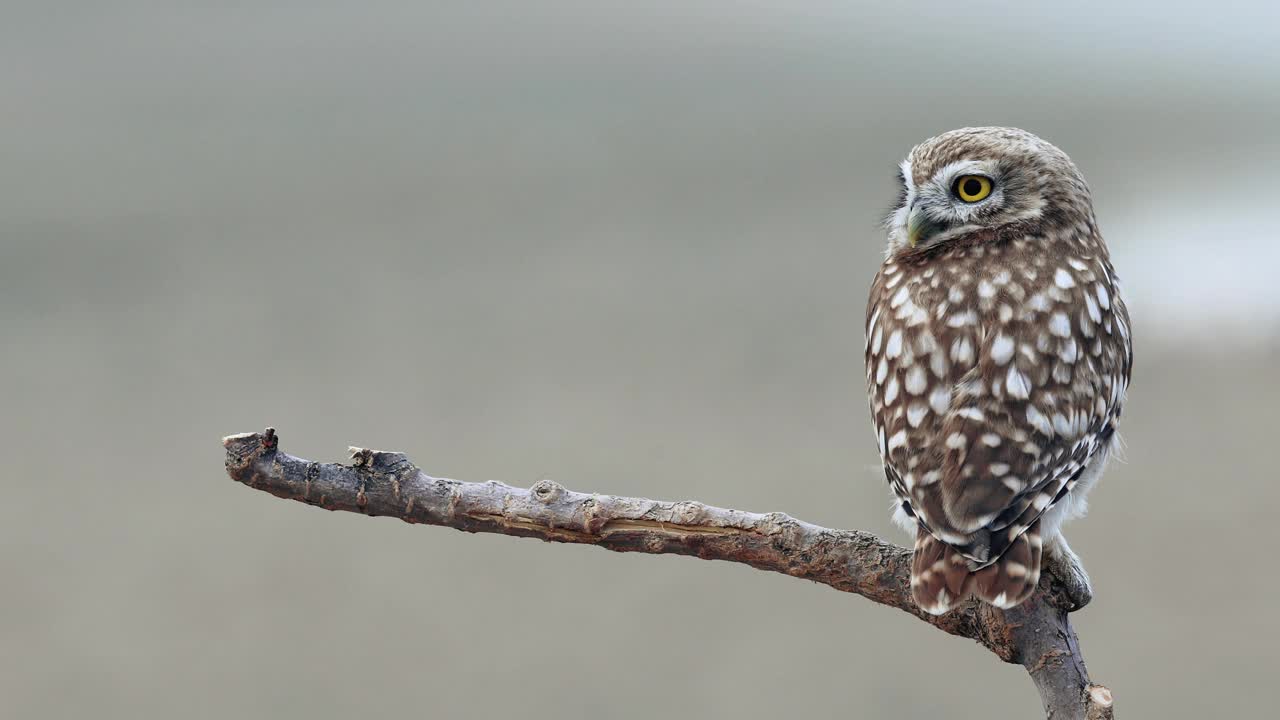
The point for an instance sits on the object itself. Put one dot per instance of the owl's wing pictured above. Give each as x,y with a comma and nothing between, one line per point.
1023,423
1022,426
1006,461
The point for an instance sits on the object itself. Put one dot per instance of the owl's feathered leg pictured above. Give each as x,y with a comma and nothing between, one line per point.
1064,565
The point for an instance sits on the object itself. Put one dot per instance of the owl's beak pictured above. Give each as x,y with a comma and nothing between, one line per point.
920,228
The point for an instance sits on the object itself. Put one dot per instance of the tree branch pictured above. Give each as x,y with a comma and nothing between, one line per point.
1037,634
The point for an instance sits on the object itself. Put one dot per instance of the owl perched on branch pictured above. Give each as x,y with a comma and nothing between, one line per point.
998,356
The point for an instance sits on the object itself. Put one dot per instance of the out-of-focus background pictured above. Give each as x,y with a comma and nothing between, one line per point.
622,245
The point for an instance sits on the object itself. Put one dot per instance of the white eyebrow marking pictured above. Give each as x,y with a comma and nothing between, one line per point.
905,167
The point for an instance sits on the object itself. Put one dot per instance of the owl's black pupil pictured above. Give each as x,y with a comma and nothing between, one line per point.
972,187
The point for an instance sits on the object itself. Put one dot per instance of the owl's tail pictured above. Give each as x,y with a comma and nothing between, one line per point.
940,575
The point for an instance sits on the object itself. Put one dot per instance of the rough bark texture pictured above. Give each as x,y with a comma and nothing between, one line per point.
1036,634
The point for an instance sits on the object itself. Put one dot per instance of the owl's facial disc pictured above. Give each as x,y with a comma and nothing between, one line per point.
961,197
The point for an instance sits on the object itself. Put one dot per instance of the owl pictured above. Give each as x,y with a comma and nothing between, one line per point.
998,356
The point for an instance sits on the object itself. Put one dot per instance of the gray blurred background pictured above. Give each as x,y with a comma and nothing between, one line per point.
622,245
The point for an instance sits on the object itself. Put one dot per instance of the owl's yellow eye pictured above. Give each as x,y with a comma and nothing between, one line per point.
972,188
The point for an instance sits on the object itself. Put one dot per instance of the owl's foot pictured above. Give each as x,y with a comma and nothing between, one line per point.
1070,588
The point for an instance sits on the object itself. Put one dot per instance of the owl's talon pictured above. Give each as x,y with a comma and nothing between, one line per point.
1069,587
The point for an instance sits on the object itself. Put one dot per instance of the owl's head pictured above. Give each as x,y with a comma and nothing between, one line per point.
959,184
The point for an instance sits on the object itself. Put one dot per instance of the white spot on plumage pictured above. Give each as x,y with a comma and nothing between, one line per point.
956,441
1001,349
1086,325
897,440
962,350
899,297
1069,351
938,363
955,294
916,413
998,469
916,381
1104,298
893,348
991,440
940,399
917,316
986,289
925,343
1017,383
941,604
1062,373
1062,425
1039,421
971,413
882,371
891,391
1092,308
961,319
1060,324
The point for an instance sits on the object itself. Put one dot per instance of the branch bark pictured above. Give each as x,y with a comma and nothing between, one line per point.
1037,634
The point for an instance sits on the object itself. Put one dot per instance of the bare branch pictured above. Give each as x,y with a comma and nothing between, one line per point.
1036,634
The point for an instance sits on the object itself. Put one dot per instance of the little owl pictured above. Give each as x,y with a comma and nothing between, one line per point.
998,356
